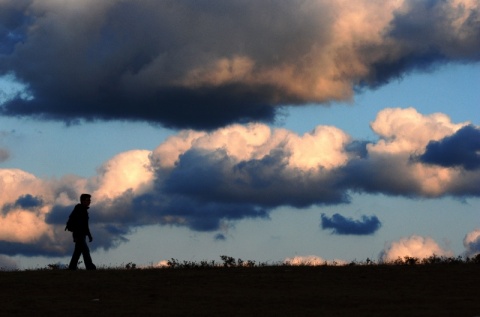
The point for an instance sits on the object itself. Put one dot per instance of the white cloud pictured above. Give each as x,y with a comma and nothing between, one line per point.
15,182
27,225
403,133
414,246
11,88
167,153
321,148
161,264
22,226
406,131
312,260
324,147
126,171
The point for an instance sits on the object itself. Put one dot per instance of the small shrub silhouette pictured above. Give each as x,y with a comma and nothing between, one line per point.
228,261
131,266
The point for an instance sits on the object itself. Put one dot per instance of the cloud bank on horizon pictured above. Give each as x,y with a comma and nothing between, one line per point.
416,247
208,64
208,180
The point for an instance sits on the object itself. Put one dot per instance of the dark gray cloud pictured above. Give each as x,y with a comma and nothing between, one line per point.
195,214
374,175
348,226
13,26
207,64
461,149
28,201
220,237
29,249
427,34
58,214
24,202
268,182
358,148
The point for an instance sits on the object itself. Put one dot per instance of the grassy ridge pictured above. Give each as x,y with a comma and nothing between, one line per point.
362,290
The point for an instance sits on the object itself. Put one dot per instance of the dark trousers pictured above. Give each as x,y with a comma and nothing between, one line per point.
81,248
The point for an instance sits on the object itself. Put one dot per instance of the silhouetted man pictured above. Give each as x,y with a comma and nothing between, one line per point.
81,231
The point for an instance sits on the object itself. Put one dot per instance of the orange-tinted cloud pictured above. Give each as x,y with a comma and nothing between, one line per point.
415,247
203,65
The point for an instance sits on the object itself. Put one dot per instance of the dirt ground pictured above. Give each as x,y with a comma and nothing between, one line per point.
376,290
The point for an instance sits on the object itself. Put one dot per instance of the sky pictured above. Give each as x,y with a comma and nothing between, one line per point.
264,130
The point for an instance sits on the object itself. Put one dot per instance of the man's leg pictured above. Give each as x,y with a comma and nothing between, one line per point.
87,258
76,255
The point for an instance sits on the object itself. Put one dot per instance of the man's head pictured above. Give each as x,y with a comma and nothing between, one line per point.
85,199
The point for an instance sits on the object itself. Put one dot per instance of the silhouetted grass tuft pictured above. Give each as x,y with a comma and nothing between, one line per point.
231,262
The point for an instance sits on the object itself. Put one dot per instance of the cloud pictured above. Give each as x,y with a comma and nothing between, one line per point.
472,243
388,167
29,205
312,260
414,246
348,226
424,34
126,171
11,89
220,237
25,202
253,164
206,181
177,63
461,149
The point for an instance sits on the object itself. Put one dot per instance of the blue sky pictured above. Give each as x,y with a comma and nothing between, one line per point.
253,160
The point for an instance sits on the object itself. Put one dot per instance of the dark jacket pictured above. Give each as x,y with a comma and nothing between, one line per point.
80,220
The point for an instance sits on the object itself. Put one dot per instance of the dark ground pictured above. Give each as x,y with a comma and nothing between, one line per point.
361,290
